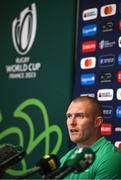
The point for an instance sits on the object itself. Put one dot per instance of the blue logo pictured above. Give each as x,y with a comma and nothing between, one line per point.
119,59
118,112
107,111
87,79
89,30
106,60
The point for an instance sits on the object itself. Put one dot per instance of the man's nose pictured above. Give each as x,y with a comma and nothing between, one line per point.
73,121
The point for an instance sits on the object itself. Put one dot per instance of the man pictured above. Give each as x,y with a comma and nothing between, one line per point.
84,119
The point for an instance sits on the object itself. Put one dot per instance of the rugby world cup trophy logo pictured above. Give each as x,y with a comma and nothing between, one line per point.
24,29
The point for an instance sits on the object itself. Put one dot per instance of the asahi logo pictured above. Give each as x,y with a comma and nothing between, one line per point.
24,29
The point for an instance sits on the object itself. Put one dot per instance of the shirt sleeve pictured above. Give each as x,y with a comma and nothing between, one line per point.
109,168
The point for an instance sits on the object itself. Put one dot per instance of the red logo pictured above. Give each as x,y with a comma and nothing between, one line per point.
89,46
106,129
118,144
119,76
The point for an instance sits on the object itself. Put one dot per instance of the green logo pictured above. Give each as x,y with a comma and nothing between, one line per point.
20,114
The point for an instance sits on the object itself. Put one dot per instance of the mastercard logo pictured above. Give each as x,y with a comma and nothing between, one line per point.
88,63
108,10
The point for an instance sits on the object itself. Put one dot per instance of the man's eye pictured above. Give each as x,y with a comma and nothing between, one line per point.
75,115
80,115
68,115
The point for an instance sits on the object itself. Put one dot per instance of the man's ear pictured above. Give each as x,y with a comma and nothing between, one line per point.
98,121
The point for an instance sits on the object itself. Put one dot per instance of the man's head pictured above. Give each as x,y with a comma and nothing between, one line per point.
84,118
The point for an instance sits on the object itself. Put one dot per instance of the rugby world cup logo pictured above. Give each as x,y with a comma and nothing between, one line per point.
24,29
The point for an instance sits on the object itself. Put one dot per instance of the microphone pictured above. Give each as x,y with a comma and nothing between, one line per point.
44,166
77,163
10,155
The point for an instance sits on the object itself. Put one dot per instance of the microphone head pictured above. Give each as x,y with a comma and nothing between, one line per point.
10,155
81,160
48,164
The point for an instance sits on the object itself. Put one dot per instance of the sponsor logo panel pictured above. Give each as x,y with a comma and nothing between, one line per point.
118,94
106,77
106,129
106,44
108,10
87,79
118,144
120,24
118,129
119,41
88,62
88,94
119,76
118,112
106,60
105,94
89,14
107,26
119,59
89,46
107,111
89,30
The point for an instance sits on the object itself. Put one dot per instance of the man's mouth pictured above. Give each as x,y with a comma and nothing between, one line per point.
73,130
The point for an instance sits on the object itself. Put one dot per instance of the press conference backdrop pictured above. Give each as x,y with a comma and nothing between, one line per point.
98,60
36,71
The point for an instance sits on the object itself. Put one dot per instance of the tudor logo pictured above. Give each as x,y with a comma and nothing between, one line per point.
24,29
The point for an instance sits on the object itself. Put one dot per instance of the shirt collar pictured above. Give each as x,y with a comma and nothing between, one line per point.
101,141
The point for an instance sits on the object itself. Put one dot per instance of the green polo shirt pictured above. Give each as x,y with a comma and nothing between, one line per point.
107,164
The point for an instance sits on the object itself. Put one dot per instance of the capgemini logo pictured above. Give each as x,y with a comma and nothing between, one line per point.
24,29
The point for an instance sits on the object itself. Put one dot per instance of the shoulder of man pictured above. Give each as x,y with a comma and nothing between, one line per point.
68,155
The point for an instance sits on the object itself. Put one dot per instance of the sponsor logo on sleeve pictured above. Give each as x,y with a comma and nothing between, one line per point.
108,10
106,129
89,46
89,30
105,94
88,62
87,79
89,14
